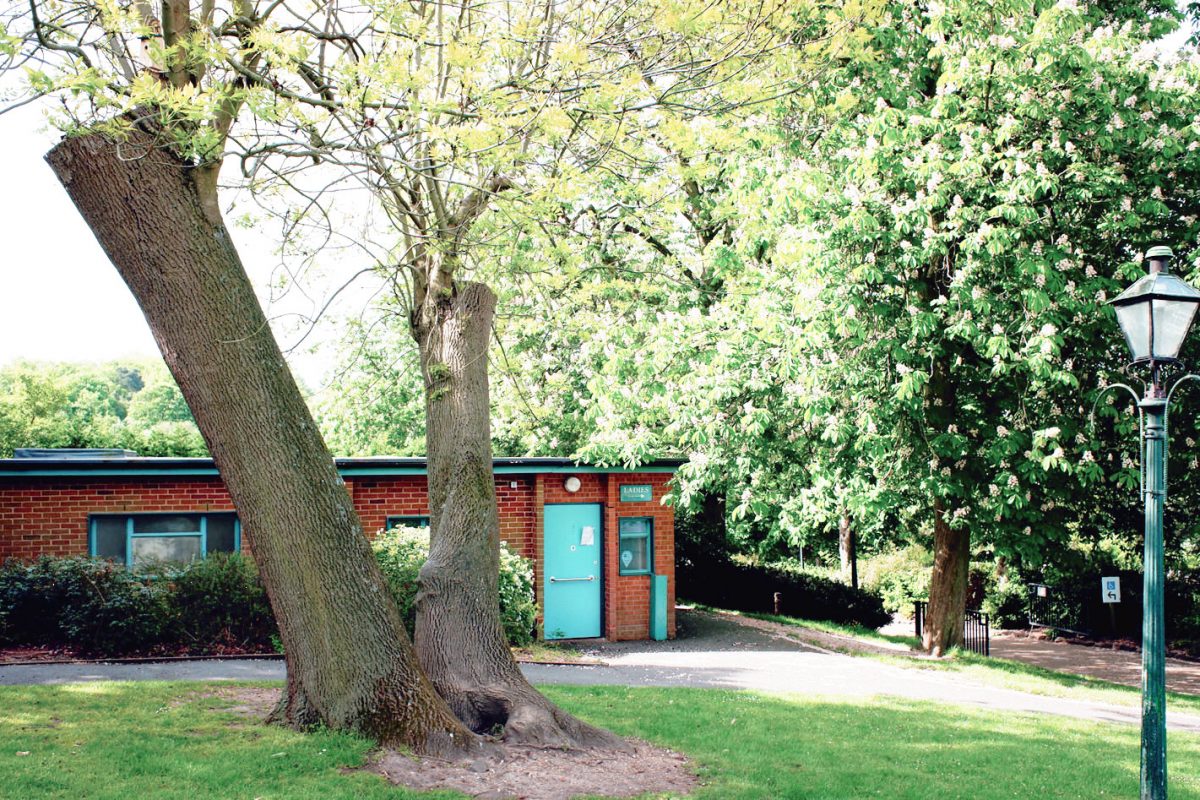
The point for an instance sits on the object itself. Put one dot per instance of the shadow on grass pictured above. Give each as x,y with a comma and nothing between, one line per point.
173,740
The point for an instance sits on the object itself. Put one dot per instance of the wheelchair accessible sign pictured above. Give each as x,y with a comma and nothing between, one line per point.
1110,590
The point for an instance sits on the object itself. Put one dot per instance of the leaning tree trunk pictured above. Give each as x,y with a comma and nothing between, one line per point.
460,639
948,587
350,663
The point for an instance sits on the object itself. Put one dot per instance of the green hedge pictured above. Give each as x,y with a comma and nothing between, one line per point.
220,603
740,586
217,605
402,551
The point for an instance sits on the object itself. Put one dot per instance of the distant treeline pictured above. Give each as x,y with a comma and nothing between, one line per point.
122,404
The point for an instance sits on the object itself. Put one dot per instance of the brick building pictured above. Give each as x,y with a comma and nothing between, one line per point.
600,538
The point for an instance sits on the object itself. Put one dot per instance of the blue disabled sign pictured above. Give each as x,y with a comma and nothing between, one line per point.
1110,590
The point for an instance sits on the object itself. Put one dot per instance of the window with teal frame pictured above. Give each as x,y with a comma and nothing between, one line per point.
144,540
635,553
409,521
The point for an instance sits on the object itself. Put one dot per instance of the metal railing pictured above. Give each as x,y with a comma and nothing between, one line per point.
1051,608
977,635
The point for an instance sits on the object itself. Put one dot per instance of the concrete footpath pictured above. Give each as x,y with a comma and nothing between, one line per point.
713,651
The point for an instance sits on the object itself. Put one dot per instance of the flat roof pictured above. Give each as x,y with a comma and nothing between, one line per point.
382,466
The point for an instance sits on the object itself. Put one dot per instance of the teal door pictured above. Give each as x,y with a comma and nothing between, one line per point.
571,580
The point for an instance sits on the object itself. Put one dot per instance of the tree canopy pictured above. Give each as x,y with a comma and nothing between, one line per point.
130,405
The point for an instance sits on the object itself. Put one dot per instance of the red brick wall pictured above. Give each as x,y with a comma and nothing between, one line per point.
379,498
515,496
376,499
44,516
50,516
627,597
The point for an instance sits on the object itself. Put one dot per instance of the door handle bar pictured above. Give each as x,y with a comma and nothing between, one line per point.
568,580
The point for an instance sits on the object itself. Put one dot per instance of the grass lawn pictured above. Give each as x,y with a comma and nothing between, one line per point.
166,740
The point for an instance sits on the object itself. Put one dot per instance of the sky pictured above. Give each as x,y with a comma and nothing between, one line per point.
60,297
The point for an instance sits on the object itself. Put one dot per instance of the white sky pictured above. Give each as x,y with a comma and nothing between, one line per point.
60,297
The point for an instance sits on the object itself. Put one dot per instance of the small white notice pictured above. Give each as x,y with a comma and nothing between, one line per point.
589,536
1110,590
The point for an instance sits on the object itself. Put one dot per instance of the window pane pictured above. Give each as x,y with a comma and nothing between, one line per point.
220,534
1134,320
411,521
636,535
110,537
150,550
635,526
1172,318
635,555
166,523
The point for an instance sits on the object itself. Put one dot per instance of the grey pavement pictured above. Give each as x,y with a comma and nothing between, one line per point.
237,669
712,652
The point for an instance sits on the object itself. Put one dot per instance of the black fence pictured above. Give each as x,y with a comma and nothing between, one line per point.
1051,607
977,635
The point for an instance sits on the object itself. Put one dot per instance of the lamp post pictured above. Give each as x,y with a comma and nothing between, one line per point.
1155,314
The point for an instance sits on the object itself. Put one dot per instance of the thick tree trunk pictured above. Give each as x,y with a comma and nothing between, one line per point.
848,549
948,588
460,639
349,661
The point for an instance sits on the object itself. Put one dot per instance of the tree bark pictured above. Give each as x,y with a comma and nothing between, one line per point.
350,663
459,636
948,588
848,549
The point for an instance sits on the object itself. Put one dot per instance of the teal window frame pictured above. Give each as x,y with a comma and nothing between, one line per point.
130,535
406,520
648,536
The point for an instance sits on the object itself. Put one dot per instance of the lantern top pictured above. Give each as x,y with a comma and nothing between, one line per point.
1158,284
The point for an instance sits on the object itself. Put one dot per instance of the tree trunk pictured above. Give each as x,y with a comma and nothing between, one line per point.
349,661
459,636
848,549
948,588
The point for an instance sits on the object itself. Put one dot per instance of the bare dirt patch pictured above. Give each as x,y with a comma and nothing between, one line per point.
245,701
520,772
537,773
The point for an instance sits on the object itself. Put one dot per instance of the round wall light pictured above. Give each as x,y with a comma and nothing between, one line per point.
572,484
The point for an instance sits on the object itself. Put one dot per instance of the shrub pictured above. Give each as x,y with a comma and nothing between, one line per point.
401,552
751,587
518,606
219,603
91,604
1007,602
899,577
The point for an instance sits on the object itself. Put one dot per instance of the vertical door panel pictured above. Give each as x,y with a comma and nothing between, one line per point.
572,576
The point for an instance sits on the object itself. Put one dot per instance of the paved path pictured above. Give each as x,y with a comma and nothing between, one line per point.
713,651
1105,663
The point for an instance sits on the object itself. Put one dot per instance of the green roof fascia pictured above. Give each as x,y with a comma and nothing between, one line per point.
210,472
